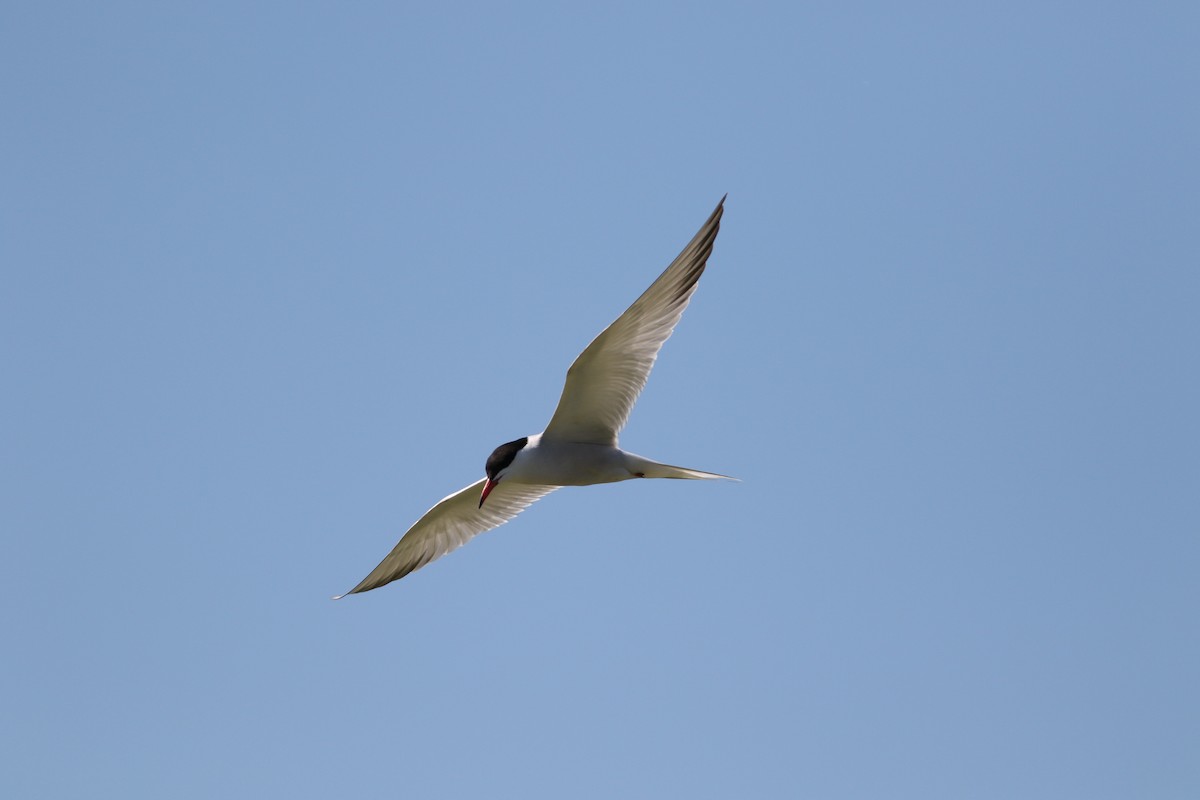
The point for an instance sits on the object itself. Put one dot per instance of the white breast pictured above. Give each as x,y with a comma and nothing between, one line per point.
557,463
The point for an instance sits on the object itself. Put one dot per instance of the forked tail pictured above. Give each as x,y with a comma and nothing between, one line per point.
645,468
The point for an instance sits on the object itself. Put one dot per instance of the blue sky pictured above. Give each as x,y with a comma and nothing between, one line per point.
277,277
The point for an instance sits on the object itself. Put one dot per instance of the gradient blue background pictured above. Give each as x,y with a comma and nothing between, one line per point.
278,276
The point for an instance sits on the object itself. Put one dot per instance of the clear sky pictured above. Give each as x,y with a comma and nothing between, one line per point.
279,276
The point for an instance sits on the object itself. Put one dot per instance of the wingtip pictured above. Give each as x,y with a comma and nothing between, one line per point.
719,210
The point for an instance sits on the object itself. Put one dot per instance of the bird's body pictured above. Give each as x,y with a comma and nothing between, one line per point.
558,463
579,446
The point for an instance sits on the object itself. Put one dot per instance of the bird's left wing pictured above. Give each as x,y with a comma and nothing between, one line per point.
605,380
449,525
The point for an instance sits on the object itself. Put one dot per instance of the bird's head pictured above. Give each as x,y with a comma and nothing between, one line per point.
499,462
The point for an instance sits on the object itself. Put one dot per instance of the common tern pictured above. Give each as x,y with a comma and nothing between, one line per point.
579,446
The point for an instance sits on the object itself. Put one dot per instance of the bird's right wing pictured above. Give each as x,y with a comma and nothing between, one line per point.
449,525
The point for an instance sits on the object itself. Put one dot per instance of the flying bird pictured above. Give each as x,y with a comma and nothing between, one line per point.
579,446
